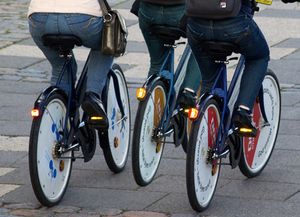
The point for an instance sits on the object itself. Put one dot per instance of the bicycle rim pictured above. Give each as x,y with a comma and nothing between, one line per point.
49,175
147,153
202,175
257,151
119,127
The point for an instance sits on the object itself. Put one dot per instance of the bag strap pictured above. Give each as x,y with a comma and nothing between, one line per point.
105,8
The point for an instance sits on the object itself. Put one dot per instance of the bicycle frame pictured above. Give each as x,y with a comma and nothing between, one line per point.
228,96
175,80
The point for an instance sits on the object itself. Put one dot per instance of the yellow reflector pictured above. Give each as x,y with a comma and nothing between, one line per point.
140,93
35,112
245,130
96,118
186,111
193,113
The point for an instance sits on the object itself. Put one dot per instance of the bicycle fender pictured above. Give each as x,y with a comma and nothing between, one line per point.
39,103
117,89
148,84
261,104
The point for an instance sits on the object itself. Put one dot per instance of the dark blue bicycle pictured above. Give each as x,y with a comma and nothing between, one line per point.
213,138
60,128
158,114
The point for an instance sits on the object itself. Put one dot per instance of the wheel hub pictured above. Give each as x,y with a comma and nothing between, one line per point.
116,142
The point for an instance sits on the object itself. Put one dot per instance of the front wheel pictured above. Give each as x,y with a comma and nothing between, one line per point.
202,171
146,150
49,173
115,141
257,151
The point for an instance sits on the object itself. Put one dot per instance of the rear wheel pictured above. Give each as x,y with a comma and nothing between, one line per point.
49,173
257,151
202,172
147,151
115,141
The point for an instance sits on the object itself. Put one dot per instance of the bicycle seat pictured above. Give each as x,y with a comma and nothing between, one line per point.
64,43
167,33
219,50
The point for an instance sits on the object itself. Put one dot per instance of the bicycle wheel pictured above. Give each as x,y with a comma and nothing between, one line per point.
202,172
49,174
147,153
115,141
257,151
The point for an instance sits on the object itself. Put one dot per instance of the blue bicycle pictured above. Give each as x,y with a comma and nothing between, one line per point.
158,115
212,136
60,128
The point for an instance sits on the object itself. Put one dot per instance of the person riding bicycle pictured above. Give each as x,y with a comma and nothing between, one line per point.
242,31
169,13
84,20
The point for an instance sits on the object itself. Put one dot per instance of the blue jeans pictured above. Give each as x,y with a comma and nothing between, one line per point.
88,29
151,14
242,31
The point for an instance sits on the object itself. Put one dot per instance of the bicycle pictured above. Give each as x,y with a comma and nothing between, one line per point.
158,114
213,137
60,129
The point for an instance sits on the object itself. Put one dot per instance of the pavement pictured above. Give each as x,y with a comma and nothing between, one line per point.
95,191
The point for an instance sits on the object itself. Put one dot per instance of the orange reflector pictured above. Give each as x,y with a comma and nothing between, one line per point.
245,130
192,113
96,118
140,93
35,112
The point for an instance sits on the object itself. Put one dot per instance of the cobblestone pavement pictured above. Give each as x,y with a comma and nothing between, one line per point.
93,190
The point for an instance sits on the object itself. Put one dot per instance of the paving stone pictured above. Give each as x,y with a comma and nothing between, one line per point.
291,43
17,62
141,214
31,213
290,113
4,211
64,209
110,198
289,127
23,206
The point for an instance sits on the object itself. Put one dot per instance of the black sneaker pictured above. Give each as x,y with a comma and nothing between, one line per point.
187,98
95,111
242,123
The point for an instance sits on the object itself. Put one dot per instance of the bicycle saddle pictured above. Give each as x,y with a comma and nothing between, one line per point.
219,50
62,42
167,33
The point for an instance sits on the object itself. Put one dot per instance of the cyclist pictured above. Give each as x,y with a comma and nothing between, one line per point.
170,13
244,32
84,20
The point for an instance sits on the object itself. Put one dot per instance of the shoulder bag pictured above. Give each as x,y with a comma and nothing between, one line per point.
114,33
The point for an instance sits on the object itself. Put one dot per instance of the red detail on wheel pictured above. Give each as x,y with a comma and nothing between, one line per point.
250,143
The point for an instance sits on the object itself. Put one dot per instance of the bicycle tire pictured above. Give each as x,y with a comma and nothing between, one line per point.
115,141
49,175
146,153
202,176
257,151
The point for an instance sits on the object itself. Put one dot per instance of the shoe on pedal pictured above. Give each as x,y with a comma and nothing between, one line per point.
242,123
187,98
95,111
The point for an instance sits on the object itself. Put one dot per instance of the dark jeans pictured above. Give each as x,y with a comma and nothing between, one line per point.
240,30
88,29
150,14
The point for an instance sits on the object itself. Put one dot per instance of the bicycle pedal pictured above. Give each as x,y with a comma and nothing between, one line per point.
97,122
245,132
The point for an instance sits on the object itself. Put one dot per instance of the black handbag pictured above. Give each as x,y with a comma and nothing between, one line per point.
213,9
114,33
